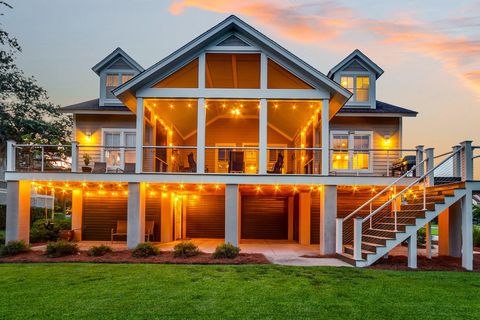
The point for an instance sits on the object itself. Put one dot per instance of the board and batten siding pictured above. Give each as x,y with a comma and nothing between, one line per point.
94,124
381,127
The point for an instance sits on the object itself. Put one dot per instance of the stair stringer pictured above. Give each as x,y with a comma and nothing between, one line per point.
409,230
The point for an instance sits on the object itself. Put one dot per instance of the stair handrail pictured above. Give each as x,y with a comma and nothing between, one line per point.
383,191
409,186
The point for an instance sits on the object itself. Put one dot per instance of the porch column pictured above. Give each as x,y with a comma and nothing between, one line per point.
449,231
328,214
77,213
263,129
429,161
74,155
467,161
304,217
325,137
11,156
18,211
139,137
419,171
136,214
232,198
412,251
201,135
166,218
467,231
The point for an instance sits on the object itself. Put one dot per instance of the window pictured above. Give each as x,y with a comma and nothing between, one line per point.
119,147
358,85
114,80
351,151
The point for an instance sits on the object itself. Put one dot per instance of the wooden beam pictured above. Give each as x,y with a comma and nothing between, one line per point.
234,71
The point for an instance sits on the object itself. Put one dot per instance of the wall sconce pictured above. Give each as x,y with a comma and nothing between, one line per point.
88,137
386,140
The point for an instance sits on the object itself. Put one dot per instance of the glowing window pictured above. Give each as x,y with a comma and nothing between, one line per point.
358,85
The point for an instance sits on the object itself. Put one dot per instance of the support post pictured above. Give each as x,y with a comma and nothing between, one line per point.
357,238
328,214
77,214
231,214
10,155
139,137
467,231
467,161
339,233
428,240
412,251
136,214
18,211
457,161
304,199
430,177
263,140
325,137
201,135
419,168
74,155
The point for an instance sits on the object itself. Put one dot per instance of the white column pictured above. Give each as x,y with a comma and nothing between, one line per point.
201,71
430,177
325,137
74,156
428,240
139,137
263,71
339,234
231,214
467,231
328,214
136,214
412,251
18,211
304,217
201,116
77,213
419,171
263,140
10,155
357,238
467,161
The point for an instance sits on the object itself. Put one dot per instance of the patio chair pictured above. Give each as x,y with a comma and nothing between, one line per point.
191,162
236,164
127,168
120,230
99,167
278,166
149,225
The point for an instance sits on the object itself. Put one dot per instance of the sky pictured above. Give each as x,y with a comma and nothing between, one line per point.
429,50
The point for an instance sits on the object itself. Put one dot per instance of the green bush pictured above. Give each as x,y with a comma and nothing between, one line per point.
2,237
61,248
3,216
476,236
185,249
97,251
422,236
13,248
226,251
143,250
48,230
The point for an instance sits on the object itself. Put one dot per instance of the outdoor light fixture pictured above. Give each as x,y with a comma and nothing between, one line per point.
88,137
386,140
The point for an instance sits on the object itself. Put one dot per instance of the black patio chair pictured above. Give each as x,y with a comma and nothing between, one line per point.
278,166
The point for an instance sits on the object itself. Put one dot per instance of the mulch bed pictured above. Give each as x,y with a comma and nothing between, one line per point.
435,264
126,257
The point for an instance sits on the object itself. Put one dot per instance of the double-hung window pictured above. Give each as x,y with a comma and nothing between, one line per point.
358,85
351,150
115,79
118,147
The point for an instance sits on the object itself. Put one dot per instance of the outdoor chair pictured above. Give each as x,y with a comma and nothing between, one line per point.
149,225
236,164
120,230
127,168
99,167
278,166
191,162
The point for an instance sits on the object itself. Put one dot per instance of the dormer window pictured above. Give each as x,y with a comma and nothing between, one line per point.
114,80
358,85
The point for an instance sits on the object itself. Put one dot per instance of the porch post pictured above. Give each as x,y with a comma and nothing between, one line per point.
430,177
467,160
325,137
18,211
428,240
232,197
74,155
10,155
328,214
467,230
77,213
136,214
201,135
139,137
304,199
263,128
419,171
412,251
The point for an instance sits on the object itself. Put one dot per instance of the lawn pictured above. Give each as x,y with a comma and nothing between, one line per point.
100,291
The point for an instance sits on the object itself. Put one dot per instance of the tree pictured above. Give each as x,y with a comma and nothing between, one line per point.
26,114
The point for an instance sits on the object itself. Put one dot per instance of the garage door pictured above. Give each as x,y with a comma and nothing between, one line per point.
205,217
264,217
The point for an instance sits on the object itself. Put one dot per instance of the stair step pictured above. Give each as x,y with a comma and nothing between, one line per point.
417,206
370,246
345,257
389,226
400,219
348,249
375,239
380,233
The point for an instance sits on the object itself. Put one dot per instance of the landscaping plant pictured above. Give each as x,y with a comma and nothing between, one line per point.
476,236
97,251
185,249
47,230
226,251
13,248
144,250
61,248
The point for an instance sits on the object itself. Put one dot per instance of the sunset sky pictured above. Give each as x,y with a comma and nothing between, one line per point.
430,50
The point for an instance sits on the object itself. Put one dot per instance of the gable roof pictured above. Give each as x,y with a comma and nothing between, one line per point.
114,55
232,23
381,108
92,106
356,54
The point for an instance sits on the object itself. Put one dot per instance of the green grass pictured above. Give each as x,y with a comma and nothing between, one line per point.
95,291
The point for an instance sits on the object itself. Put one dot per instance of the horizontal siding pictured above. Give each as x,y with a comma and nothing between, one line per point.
205,217
315,218
264,217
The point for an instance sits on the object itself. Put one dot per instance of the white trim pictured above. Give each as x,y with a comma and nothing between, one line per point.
229,93
366,114
362,57
352,103
122,132
107,60
350,153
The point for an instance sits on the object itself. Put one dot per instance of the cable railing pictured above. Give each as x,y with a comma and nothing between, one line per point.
42,157
291,160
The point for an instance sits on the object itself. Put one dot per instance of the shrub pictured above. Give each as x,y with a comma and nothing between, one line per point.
2,237
476,236
47,230
61,248
13,248
185,249
421,237
143,250
226,251
97,251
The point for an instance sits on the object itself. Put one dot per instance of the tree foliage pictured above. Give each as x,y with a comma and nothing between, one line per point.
26,114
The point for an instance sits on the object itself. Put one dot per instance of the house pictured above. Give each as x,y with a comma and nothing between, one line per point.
233,137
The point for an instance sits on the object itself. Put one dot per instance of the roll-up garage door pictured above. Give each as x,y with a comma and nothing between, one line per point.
205,216
315,218
264,217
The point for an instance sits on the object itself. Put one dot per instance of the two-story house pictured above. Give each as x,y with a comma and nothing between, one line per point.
233,137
